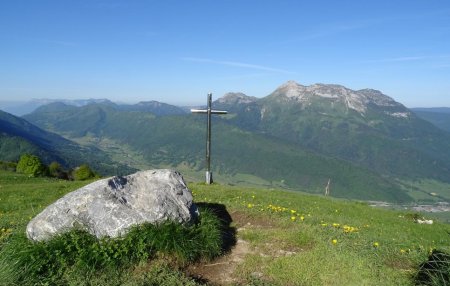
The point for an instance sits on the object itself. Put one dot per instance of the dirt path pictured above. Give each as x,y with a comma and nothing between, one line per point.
220,271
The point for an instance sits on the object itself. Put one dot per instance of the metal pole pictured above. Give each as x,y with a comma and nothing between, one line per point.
209,178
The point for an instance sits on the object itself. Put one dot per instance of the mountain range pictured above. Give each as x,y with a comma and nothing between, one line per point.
364,127
299,137
19,108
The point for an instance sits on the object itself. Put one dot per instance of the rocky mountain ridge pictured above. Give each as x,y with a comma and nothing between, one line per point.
364,127
358,100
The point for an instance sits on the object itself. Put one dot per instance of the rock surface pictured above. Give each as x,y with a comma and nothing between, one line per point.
358,100
109,207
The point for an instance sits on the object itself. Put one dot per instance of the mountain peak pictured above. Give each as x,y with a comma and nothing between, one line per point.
290,84
232,98
334,93
290,89
155,107
149,103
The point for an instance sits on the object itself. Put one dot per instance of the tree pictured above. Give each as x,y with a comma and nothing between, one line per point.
83,172
31,165
55,170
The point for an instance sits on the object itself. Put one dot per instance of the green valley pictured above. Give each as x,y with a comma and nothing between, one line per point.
178,141
18,136
299,137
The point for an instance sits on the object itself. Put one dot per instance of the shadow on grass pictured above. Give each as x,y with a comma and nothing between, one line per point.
228,232
435,271
228,239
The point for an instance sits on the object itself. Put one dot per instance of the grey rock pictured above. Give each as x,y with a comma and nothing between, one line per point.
109,207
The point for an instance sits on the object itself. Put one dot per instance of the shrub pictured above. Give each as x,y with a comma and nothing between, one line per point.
84,172
83,255
54,169
31,165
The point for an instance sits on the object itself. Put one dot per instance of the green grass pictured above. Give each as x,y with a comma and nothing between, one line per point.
66,258
289,236
52,262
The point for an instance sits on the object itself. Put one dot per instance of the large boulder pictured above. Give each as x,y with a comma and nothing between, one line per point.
109,207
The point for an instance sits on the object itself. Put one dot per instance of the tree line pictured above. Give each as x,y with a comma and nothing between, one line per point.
33,166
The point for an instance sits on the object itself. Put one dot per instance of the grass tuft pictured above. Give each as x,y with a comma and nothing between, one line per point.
435,271
77,251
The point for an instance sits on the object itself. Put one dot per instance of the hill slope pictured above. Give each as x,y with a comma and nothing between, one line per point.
296,137
179,141
438,116
18,136
364,127
276,238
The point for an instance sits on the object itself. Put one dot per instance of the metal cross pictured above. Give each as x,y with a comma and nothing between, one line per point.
208,112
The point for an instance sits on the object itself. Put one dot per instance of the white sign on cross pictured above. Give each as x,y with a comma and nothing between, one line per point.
208,111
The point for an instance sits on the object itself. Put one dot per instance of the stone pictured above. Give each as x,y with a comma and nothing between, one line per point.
109,207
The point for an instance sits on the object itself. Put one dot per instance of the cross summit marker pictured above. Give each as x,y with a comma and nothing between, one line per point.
208,111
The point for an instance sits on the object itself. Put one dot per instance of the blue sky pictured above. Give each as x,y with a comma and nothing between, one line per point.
178,51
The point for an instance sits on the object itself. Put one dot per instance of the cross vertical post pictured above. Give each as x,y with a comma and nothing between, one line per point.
209,179
208,111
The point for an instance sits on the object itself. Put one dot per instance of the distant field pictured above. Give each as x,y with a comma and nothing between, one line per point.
428,190
279,238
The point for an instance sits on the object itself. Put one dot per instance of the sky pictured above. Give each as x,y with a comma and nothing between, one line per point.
178,51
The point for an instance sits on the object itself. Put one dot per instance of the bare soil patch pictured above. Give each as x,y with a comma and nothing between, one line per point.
220,271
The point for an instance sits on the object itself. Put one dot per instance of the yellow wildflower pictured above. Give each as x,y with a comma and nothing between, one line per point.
293,218
334,241
349,229
376,244
249,206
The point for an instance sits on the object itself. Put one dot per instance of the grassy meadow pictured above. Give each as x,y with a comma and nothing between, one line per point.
271,238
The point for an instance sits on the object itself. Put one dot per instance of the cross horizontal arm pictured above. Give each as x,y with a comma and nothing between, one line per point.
206,111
